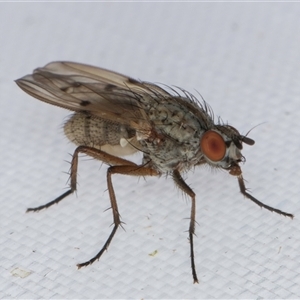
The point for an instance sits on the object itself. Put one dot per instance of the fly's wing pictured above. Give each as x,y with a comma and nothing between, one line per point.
83,88
100,75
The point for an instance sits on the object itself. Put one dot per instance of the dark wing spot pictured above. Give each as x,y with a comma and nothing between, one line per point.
109,87
64,89
70,88
85,103
131,80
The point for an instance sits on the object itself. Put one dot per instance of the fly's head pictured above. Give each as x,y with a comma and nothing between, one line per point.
222,147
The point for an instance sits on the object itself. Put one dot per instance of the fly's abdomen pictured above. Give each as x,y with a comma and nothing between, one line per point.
113,138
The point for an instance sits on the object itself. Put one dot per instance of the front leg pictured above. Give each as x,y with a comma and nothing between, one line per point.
236,171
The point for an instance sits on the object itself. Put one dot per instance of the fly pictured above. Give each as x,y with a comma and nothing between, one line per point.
115,116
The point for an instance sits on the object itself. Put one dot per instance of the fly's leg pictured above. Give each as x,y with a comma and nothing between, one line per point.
247,195
118,166
98,154
125,170
185,188
55,201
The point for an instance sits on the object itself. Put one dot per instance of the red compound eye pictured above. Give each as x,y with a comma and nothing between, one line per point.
213,145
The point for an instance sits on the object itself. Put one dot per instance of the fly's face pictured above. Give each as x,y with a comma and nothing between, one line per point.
222,147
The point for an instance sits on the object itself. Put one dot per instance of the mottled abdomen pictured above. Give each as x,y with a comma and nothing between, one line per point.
113,138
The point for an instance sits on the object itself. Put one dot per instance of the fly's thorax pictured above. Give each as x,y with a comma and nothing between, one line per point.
221,147
174,139
178,117
113,138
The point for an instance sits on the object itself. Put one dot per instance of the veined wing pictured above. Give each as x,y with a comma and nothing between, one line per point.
100,92
100,75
